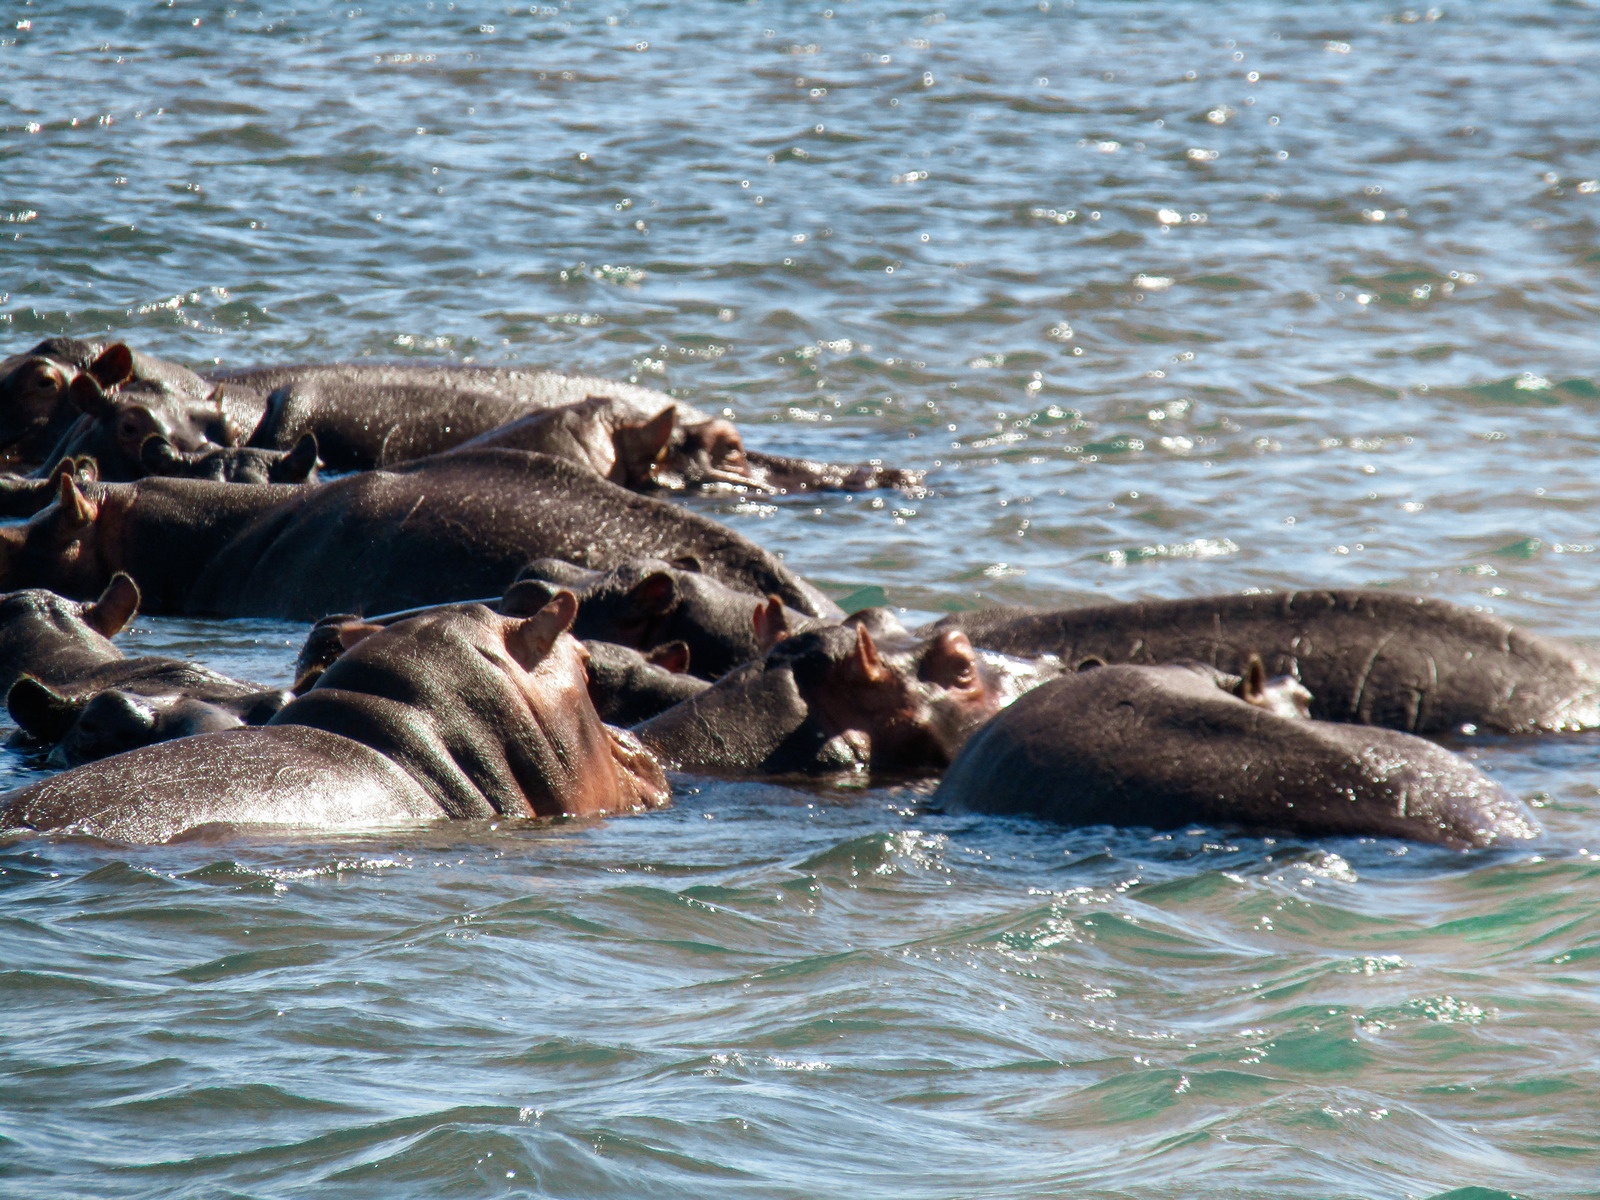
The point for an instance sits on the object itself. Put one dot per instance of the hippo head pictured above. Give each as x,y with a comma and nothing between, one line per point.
827,701
120,415
233,464
490,713
97,725
34,406
59,546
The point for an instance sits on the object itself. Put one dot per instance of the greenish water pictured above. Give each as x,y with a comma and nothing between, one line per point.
1176,299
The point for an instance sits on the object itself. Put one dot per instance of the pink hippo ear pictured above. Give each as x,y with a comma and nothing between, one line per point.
76,508
772,624
669,656
865,665
117,605
1253,687
530,640
113,367
353,633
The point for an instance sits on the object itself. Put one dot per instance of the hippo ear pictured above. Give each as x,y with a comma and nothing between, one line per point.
159,456
1089,664
1253,686
654,595
353,633
76,508
950,661
40,711
114,366
865,665
85,468
117,605
771,622
299,464
261,707
669,656
525,597
639,447
68,467
531,640
89,397
688,562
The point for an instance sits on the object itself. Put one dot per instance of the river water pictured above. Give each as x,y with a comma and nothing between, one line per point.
1176,299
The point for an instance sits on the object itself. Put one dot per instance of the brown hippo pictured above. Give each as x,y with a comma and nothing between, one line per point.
453,527
1175,745
1369,657
625,686
363,415
467,714
828,701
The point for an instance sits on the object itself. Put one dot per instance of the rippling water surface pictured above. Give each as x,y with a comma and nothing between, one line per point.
1176,299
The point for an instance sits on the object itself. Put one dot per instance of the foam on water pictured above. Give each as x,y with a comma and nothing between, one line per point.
1175,298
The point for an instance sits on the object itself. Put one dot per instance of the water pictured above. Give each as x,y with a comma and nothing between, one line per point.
1180,299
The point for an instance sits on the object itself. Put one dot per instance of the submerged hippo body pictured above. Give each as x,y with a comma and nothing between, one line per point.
454,527
1170,746
1373,658
376,414
70,688
459,714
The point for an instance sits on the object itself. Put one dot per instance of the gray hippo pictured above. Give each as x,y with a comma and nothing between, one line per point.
449,528
1174,745
71,690
1369,657
467,714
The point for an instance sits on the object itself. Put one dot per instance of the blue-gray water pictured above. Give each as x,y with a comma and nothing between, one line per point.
1183,298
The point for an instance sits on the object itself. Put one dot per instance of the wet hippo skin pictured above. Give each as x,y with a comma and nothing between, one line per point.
1374,658
375,414
1169,746
454,527
824,702
464,714
71,690
646,602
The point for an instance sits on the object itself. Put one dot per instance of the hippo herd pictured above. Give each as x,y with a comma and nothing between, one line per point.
510,618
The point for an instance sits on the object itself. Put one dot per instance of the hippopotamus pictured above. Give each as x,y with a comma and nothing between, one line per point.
625,686
232,464
464,714
37,408
22,496
101,401
363,415
68,686
826,701
647,602
602,433
1176,745
376,414
1373,658
453,527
